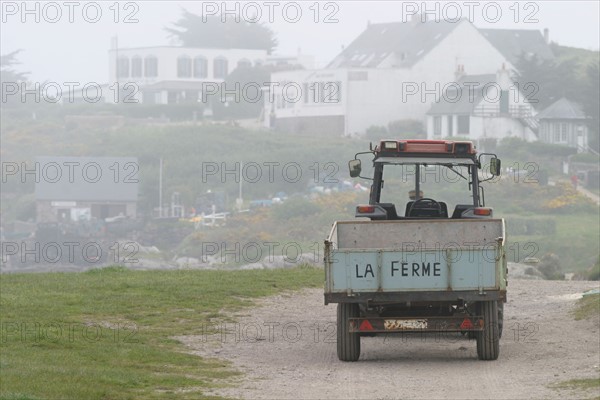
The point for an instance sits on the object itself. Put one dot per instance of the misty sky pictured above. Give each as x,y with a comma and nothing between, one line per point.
78,51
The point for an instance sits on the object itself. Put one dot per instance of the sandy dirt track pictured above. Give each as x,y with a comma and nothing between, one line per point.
283,355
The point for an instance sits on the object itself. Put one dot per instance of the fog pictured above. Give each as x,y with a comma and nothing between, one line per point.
168,127
57,50
166,166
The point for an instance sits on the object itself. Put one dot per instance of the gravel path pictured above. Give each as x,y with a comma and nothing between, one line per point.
283,355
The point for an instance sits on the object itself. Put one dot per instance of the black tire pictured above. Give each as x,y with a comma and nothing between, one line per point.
500,319
488,340
348,344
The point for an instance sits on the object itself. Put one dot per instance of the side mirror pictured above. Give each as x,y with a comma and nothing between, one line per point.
355,167
495,166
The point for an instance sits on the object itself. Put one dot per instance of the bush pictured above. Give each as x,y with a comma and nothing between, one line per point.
530,226
406,129
400,129
509,145
550,267
295,207
593,274
376,133
585,158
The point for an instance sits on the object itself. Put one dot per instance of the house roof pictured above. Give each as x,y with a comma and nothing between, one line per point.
512,43
463,106
105,179
410,41
562,109
467,101
481,79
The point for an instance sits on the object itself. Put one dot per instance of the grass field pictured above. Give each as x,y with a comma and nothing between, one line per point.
575,242
107,334
587,307
578,385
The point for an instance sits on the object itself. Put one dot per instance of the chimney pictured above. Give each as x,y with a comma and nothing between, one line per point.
547,35
503,78
460,71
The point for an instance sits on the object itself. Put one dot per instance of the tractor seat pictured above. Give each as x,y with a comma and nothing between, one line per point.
421,210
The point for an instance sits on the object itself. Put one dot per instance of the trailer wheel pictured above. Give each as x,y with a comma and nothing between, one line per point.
500,319
488,340
348,344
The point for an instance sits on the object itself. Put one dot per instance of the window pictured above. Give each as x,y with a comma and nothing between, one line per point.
504,101
136,67
244,63
358,75
322,95
450,125
200,67
556,132
463,123
122,67
305,92
184,67
220,67
563,132
437,126
150,67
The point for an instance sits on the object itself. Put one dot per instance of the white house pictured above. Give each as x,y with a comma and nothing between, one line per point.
395,71
482,106
171,74
563,122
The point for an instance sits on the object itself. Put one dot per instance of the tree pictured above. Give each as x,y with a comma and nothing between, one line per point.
552,79
212,32
9,76
590,101
247,81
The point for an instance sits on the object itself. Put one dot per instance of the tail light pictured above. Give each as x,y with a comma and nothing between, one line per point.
365,209
483,211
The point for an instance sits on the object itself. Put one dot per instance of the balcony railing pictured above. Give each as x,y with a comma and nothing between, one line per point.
514,111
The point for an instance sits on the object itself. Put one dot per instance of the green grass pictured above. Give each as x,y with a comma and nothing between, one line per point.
107,334
587,307
588,384
575,242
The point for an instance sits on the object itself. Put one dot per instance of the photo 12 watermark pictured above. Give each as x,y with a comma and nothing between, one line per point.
325,12
71,171
454,11
269,332
69,92
67,332
69,251
53,12
269,172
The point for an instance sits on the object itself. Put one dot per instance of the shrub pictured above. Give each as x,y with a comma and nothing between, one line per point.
550,266
593,273
530,226
295,207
